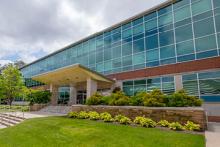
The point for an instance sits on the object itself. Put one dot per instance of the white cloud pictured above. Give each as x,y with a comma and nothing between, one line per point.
33,28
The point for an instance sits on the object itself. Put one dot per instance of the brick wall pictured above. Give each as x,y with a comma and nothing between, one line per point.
171,114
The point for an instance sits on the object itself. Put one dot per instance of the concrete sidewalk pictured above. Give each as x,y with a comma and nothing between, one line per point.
213,135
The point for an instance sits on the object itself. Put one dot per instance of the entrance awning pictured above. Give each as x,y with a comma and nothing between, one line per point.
70,74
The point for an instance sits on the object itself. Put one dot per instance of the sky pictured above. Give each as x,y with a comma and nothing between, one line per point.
30,29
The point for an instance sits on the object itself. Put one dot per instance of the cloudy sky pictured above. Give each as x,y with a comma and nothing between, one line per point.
30,29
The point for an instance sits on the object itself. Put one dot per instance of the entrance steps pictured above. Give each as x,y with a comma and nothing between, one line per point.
7,120
57,109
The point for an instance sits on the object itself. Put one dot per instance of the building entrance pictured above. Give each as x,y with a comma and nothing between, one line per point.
81,97
64,95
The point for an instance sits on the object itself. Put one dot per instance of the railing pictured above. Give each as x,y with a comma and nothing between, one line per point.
15,110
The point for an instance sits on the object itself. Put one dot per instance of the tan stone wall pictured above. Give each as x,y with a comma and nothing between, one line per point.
171,114
37,107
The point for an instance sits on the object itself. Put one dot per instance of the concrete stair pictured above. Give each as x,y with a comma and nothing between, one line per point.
56,109
7,120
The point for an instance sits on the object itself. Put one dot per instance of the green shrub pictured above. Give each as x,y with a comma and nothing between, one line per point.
125,120
106,117
72,114
147,122
119,99
38,97
106,100
83,115
137,99
163,123
154,99
95,99
192,126
93,115
182,99
118,117
175,126
138,119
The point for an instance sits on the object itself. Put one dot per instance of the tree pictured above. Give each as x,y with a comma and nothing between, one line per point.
11,83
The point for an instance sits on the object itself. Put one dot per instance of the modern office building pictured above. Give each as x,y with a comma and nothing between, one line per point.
172,46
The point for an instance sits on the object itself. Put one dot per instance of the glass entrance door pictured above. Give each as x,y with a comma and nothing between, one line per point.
64,95
81,97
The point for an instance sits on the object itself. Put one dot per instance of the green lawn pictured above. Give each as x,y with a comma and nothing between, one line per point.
64,132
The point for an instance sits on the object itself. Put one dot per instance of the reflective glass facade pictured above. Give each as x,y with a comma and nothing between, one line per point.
183,31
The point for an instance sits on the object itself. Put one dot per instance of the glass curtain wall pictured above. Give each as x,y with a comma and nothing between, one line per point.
184,31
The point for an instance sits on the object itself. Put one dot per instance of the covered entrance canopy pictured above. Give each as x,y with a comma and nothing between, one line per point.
72,76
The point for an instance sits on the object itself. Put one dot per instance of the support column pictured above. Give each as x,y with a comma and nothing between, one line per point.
117,84
73,94
178,82
91,87
55,94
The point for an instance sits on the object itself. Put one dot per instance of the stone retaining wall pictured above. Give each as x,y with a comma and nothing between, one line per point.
180,114
37,107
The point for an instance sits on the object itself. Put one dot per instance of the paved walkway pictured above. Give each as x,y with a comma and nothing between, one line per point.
213,135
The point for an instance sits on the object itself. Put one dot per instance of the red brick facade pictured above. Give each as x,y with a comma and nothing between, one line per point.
198,65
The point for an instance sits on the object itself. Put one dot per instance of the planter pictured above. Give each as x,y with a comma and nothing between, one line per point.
37,107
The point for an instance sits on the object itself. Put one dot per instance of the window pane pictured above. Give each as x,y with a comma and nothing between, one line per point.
126,49
138,29
165,10
99,56
126,61
116,52
140,82
152,55
217,23
116,63
201,6
212,74
205,43
150,25
184,33
204,27
138,58
151,42
209,87
100,67
127,33
128,90
180,4
182,13
108,65
107,54
138,46
166,38
150,16
165,19
216,3
138,21
167,52
185,48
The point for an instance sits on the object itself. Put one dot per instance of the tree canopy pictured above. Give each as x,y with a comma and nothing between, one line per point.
11,83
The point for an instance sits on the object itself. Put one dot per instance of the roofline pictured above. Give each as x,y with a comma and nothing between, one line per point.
78,65
167,2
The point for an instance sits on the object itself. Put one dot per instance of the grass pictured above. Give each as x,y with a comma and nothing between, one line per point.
65,132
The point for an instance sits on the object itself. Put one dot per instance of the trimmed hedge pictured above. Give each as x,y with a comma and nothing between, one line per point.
155,98
139,120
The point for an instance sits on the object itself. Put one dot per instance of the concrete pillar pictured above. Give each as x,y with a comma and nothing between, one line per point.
117,84
91,87
178,82
73,94
55,94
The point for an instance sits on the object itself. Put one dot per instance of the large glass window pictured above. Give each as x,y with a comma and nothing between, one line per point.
139,58
167,52
166,38
201,6
126,33
151,24
138,29
184,33
216,3
108,65
138,46
205,43
152,55
182,13
116,52
151,42
186,47
190,84
217,23
204,27
165,19
127,60
126,49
